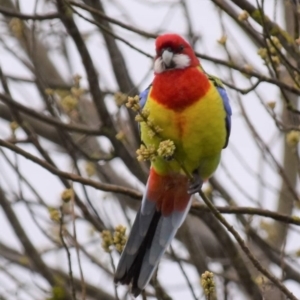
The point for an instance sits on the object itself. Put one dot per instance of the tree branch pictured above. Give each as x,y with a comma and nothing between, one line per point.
73,177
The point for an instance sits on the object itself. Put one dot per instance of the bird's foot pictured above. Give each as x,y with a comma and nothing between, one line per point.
195,185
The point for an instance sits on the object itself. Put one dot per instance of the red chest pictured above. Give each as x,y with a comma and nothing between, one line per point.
177,89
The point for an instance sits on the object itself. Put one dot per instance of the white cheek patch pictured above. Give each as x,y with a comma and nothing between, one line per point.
181,61
159,66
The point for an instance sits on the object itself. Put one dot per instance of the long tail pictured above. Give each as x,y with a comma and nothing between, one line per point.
164,208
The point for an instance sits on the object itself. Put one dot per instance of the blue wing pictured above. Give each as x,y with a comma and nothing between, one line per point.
220,87
228,111
144,96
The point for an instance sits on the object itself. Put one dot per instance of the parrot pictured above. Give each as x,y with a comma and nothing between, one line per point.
192,109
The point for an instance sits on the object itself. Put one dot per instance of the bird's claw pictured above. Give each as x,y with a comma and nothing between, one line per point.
196,185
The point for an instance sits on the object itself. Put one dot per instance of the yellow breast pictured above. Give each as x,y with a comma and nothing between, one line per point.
198,131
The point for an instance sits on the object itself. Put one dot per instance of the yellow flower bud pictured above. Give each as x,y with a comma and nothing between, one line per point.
139,118
145,113
222,40
77,92
275,59
66,195
120,98
144,153
133,103
293,138
90,169
261,280
120,135
16,27
271,104
166,149
243,16
263,53
13,126
119,238
54,214
276,42
207,282
69,103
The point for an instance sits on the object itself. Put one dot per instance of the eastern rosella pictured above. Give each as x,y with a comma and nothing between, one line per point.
193,110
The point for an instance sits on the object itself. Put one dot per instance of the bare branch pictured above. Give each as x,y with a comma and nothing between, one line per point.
101,186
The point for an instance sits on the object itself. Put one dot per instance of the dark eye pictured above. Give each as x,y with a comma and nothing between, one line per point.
180,48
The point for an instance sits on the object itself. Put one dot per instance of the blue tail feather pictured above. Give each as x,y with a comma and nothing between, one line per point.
149,238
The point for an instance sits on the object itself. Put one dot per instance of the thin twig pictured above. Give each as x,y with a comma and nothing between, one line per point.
295,220
246,250
83,287
50,120
183,273
114,271
37,17
61,234
98,185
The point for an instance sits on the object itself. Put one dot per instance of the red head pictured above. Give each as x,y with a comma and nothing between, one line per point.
173,52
